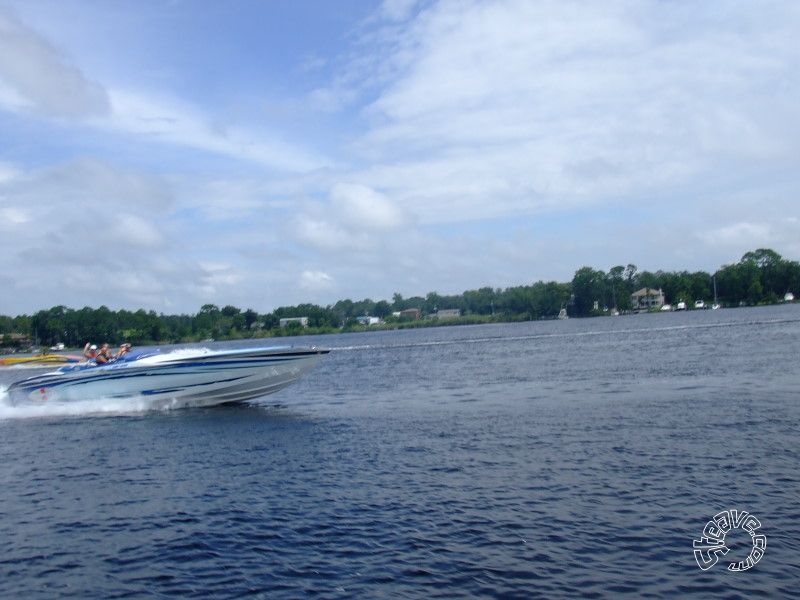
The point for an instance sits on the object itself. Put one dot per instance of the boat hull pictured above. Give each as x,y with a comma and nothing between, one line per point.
167,380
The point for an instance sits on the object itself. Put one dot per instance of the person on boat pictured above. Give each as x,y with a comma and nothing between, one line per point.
104,355
90,351
123,350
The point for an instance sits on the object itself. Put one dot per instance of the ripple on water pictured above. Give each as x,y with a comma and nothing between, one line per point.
535,460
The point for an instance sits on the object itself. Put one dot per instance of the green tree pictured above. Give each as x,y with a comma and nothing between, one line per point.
382,309
250,318
620,296
588,288
207,320
481,301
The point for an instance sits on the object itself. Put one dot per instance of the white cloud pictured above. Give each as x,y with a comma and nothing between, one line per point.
12,217
364,208
229,200
355,219
397,10
37,76
172,121
779,232
219,274
736,234
331,99
134,230
316,281
328,235
476,142
512,107
86,187
7,172
84,230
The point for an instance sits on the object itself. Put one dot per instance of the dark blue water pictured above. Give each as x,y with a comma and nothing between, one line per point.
551,459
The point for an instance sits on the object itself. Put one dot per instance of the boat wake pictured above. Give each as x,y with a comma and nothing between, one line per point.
94,407
563,334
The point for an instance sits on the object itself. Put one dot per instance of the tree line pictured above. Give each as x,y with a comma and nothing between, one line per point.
760,277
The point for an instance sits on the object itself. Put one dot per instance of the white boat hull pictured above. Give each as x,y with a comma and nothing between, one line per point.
174,379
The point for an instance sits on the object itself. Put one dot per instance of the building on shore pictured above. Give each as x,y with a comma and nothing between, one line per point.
647,299
367,320
414,314
286,321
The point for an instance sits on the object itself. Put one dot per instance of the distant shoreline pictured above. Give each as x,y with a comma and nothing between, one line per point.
761,277
425,323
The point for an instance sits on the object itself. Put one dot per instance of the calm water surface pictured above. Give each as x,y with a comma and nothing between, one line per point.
550,459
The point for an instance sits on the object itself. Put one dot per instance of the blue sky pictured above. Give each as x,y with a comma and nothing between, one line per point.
165,155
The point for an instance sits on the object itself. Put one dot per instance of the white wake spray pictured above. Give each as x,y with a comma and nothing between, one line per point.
100,406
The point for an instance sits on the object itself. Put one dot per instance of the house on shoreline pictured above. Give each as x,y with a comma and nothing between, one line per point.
647,299
414,314
14,342
285,322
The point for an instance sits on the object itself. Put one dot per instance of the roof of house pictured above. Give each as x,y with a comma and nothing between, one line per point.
648,292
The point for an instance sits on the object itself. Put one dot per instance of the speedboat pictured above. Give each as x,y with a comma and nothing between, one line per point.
184,377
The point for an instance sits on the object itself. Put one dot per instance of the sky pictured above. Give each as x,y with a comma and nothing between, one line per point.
166,154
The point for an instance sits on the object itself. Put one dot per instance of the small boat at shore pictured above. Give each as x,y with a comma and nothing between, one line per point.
38,360
185,377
